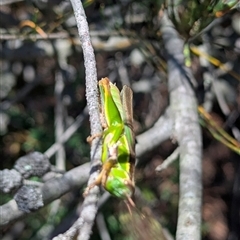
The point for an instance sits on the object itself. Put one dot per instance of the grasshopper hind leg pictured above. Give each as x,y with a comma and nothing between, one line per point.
97,182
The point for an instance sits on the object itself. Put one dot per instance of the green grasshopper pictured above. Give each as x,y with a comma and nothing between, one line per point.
118,149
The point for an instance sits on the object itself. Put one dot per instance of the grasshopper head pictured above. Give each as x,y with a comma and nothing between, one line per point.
119,184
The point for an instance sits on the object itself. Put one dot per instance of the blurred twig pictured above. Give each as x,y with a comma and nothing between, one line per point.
102,228
217,132
5,2
122,71
39,30
169,160
161,131
215,62
5,105
211,79
59,119
60,161
55,35
67,134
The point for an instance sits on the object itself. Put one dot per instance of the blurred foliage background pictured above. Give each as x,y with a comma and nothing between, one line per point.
39,43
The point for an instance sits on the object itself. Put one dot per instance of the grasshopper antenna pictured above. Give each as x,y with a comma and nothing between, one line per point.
131,205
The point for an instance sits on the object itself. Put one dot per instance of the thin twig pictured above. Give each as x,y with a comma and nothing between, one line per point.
60,162
57,35
168,161
5,105
67,134
59,120
102,228
122,71
83,226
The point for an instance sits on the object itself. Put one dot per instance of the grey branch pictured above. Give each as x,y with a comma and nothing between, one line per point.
51,190
160,132
29,198
10,180
187,132
33,164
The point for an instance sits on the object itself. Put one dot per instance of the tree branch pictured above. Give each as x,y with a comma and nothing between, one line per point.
187,132
85,221
160,132
51,190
